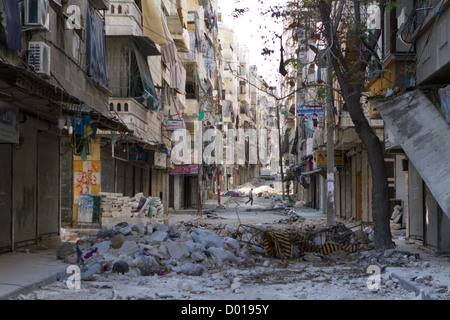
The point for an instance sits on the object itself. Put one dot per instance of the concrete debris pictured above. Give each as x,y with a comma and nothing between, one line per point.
118,206
153,249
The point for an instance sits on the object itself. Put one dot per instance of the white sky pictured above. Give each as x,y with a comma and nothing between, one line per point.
248,30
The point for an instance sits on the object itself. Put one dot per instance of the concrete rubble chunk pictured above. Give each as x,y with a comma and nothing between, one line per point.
223,255
103,247
198,256
125,231
148,266
139,228
191,269
162,227
128,248
194,246
157,236
207,238
149,229
177,250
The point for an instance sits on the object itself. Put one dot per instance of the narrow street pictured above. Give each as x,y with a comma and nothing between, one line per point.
247,273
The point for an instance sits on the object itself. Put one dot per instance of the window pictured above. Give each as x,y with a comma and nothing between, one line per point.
125,107
111,106
119,107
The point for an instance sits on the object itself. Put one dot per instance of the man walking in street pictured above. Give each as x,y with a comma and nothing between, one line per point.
250,196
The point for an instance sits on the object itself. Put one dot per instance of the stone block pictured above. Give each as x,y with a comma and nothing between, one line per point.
177,250
128,248
157,236
117,241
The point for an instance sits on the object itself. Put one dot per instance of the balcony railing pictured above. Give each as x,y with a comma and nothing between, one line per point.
124,18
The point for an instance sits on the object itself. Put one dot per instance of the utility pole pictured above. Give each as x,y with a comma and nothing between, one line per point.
200,166
279,148
330,147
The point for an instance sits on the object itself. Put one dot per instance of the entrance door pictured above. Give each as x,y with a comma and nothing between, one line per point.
5,197
171,191
48,184
187,192
431,219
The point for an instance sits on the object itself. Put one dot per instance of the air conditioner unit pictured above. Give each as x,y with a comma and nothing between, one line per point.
39,57
36,13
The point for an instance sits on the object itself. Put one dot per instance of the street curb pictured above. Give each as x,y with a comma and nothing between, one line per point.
408,285
31,287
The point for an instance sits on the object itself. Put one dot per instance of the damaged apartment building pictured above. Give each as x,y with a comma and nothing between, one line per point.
407,108
88,90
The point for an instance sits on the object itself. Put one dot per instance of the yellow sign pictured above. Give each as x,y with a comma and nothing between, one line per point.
321,158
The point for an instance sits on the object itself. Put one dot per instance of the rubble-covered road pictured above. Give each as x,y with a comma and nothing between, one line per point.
205,259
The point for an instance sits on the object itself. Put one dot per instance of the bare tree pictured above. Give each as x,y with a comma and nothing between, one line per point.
350,47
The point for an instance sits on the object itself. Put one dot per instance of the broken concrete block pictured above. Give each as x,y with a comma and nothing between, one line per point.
207,238
103,247
160,252
149,228
311,257
128,247
148,266
125,231
191,269
157,236
90,271
223,255
177,250
139,228
117,241
198,256
162,227
194,246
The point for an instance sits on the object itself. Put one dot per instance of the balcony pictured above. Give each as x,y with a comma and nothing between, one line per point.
191,112
124,18
346,122
182,41
131,112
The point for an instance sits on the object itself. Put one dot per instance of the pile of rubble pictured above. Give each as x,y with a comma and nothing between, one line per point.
151,249
116,205
390,258
260,191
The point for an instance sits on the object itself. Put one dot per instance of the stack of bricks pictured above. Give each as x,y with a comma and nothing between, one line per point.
116,205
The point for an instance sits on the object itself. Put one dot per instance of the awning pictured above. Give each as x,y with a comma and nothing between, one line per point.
149,96
43,92
312,172
152,24
424,136
146,46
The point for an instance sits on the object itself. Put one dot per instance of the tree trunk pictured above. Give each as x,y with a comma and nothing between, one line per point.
380,188
351,84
